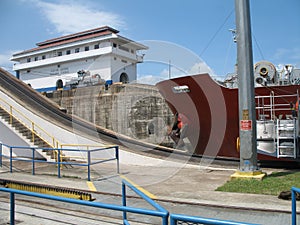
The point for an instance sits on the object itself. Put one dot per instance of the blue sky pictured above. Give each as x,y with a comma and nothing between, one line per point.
190,30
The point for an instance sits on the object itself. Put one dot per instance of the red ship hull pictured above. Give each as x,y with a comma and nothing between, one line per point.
213,112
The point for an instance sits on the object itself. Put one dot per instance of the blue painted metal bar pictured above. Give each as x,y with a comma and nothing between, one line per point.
58,163
124,200
33,161
12,208
145,197
165,216
178,217
86,203
89,165
102,161
117,157
294,190
10,159
125,222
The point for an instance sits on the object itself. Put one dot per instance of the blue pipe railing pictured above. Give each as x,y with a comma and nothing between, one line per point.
59,162
174,218
294,190
159,212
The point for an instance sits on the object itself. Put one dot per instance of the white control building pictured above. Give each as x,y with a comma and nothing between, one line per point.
101,52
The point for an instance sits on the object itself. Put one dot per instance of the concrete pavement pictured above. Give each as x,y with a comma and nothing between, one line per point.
186,183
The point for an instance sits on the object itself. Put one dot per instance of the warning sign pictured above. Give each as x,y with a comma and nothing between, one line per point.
246,124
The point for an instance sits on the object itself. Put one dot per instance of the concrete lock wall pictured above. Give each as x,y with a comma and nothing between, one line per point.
135,110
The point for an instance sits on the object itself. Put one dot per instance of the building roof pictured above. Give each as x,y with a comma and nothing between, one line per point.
84,34
97,32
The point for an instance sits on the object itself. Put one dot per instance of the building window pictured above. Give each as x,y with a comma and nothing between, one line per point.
59,53
86,48
44,57
114,45
123,48
68,52
96,46
76,50
124,61
28,59
36,58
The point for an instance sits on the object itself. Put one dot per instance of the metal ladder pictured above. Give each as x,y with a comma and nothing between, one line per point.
286,138
286,126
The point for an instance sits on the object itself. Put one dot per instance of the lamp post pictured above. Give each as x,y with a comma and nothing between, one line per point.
247,116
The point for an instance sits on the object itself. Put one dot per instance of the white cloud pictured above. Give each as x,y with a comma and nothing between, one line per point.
70,17
149,79
199,68
5,62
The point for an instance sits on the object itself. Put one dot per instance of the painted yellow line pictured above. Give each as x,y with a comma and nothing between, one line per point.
91,186
150,195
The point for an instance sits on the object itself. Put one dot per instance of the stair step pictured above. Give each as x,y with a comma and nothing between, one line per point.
27,133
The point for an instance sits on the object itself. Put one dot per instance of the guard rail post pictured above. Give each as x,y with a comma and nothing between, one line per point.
117,157
89,165
12,208
58,162
33,161
1,152
124,200
10,159
294,212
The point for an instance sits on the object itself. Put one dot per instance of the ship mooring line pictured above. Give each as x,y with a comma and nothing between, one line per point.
150,195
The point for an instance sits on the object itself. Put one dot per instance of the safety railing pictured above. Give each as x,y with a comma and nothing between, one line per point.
87,155
159,212
183,219
270,105
15,114
294,190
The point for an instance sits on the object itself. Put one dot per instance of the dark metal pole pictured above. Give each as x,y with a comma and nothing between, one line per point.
247,117
12,208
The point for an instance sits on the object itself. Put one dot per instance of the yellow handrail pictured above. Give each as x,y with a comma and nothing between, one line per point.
33,127
86,146
15,114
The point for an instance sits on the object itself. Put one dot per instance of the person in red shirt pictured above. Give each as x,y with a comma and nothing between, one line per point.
179,130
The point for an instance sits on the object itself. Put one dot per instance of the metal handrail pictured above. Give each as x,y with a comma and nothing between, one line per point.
80,202
89,162
160,211
294,190
272,107
33,127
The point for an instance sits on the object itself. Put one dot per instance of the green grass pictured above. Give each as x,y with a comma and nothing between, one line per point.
272,184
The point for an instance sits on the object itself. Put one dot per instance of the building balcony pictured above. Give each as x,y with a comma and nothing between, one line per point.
63,58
